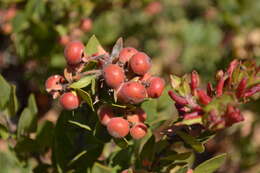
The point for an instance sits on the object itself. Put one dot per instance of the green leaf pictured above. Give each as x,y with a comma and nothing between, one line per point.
83,82
20,22
196,145
119,106
86,96
205,136
183,170
32,104
121,142
218,103
92,46
27,122
177,156
150,107
211,165
148,149
5,92
77,157
45,134
13,103
117,48
62,30
197,120
4,134
25,145
175,81
93,86
83,126
98,168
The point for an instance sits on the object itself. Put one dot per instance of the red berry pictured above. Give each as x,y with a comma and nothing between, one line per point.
126,171
140,63
73,52
136,116
105,113
155,88
113,75
10,14
69,101
153,8
126,53
190,171
86,25
132,92
138,131
7,28
146,77
64,40
54,83
118,127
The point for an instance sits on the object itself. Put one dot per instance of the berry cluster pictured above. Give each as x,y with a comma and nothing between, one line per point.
119,127
123,75
216,107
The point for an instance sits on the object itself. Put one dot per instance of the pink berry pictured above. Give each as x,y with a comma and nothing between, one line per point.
156,87
153,8
118,127
54,83
136,116
64,40
86,25
138,131
132,92
113,75
73,52
140,63
126,53
69,101
105,113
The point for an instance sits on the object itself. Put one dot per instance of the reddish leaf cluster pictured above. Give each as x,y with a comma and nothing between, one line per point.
217,107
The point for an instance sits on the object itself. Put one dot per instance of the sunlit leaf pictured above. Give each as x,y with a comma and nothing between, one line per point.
83,126
86,97
27,122
5,92
92,46
83,82
32,104
211,165
13,103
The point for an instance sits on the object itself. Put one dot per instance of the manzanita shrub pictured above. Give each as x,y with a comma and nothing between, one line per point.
110,120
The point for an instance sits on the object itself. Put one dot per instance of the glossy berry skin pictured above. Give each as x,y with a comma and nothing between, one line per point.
140,63
138,131
136,116
126,54
132,92
118,127
156,87
53,83
113,75
69,101
73,52
105,113
86,25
